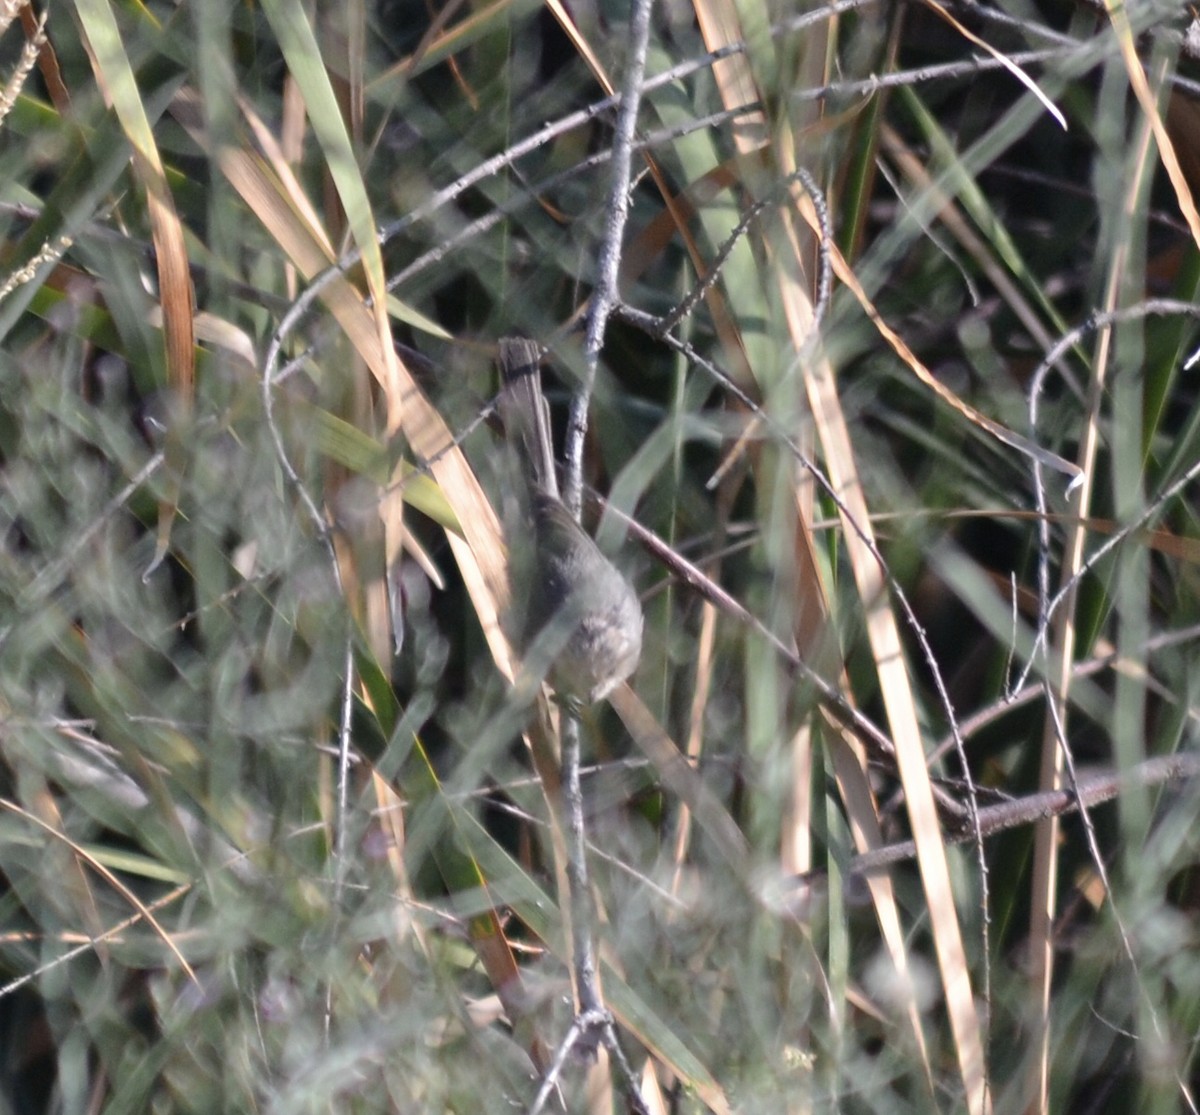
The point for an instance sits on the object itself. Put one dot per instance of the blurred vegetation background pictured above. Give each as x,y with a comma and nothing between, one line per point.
278,834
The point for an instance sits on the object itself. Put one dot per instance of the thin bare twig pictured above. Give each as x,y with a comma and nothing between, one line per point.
585,1024
867,731
651,325
1149,308
1000,708
326,538
1047,607
606,293
593,1017
1089,792
45,582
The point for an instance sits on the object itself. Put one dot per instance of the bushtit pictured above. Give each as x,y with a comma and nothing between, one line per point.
578,618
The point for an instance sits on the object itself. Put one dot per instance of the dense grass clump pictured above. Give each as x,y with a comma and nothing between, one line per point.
880,317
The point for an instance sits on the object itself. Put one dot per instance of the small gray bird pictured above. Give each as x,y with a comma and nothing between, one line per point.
579,617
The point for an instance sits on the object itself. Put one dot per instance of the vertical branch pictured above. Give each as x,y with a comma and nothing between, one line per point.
583,958
606,294
604,299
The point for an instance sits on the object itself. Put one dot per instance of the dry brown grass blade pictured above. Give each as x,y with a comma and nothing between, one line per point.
567,23
888,653
174,279
652,1091
648,243
695,738
705,660
796,842
1044,886
443,43
390,818
48,65
480,552
738,87
85,857
380,619
1022,444
599,1094
504,974
176,298
1149,104
884,637
434,34
277,155
373,597
862,810
114,77
72,883
111,70
1000,57
111,934
720,27
810,620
